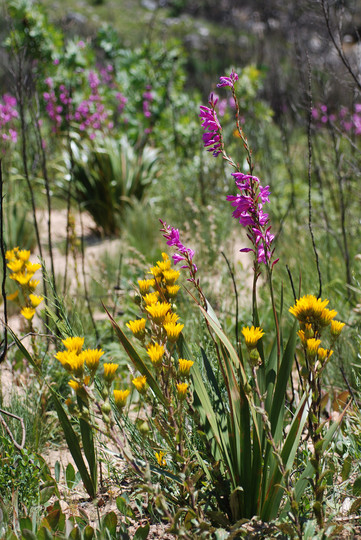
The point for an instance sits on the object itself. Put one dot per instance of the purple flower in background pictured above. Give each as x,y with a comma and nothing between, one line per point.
210,123
8,114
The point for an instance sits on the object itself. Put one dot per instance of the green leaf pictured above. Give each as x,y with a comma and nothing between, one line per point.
70,475
57,471
142,532
28,535
110,522
346,468
88,533
356,488
45,493
355,506
44,534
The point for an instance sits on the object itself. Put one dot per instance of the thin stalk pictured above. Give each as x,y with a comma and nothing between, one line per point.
2,247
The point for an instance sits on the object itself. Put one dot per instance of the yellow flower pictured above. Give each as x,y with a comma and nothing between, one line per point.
311,310
23,254
164,265
326,316
35,300
151,298
32,267
21,278
172,290
171,276
182,390
109,372
156,352
323,354
171,318
91,358
120,397
12,296
185,366
74,344
145,285
77,365
33,283
155,271
66,359
252,336
28,313
75,385
137,327
11,254
336,328
139,383
15,265
312,347
160,458
173,331
158,311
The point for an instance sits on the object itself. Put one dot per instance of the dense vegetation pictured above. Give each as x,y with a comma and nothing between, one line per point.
180,269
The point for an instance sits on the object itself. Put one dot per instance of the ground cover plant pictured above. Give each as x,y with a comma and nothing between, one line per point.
180,283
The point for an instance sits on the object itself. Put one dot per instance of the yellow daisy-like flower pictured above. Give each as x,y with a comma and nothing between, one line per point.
32,267
11,253
184,367
66,358
28,312
326,316
35,300
160,458
145,285
91,358
23,254
252,336
312,347
33,283
156,352
173,331
137,327
323,354
336,328
15,265
12,296
172,290
120,397
77,365
158,311
164,265
155,271
171,276
171,318
74,344
151,298
109,372
75,386
21,278
308,309
140,383
182,390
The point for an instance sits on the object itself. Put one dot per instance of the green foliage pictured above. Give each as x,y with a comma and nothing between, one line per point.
109,177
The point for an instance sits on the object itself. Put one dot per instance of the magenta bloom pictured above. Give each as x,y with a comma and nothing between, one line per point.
228,81
212,136
183,253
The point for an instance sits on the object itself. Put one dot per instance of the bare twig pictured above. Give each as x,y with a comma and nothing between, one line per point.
2,421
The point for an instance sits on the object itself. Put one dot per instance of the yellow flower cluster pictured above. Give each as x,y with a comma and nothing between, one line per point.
22,273
157,304
314,317
74,359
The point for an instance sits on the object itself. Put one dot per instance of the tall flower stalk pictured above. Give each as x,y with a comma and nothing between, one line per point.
250,200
